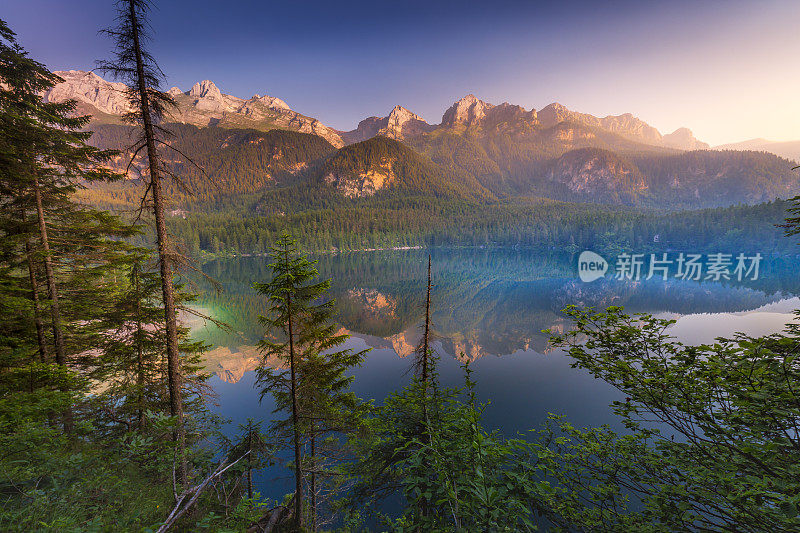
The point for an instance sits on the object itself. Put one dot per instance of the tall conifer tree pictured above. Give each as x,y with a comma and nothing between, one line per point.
314,389
44,160
138,69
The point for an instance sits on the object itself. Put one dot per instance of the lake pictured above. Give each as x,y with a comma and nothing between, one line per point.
490,307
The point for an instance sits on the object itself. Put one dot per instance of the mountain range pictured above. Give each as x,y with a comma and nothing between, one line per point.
202,105
205,105
478,152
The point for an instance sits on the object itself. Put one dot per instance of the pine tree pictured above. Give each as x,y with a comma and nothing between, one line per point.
423,350
136,66
44,160
133,364
133,350
253,443
313,390
330,410
403,430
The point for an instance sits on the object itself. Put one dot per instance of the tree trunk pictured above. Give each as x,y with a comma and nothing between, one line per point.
137,284
425,374
164,255
52,290
37,313
427,329
298,473
313,475
55,310
249,461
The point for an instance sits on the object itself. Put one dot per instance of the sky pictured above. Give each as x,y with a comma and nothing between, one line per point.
728,70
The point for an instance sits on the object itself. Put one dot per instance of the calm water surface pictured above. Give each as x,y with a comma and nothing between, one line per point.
489,307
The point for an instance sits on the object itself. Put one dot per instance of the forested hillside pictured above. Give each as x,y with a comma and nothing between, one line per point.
213,165
717,178
219,167
381,164
240,188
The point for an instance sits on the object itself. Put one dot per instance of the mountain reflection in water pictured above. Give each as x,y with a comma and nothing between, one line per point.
486,302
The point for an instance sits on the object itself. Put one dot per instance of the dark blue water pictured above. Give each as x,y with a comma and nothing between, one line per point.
490,307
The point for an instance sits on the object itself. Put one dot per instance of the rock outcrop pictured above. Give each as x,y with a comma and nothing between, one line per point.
203,105
597,173
365,183
399,124
684,139
472,113
468,111
93,94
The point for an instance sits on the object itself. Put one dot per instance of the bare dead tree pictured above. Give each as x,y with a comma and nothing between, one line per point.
421,364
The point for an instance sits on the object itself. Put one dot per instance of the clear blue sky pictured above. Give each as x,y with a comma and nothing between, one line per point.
726,69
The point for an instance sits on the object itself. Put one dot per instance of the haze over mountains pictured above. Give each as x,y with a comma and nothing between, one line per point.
787,149
478,152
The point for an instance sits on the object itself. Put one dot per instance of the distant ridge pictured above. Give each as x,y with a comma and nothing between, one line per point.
787,149
202,105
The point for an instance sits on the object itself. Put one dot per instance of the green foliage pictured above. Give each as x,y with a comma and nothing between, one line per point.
85,445
714,441
304,370
365,223
427,444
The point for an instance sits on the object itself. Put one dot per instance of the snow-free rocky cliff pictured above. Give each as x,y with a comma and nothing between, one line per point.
473,114
202,105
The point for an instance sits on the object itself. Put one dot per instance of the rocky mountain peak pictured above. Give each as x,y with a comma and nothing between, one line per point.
557,108
400,115
553,114
203,105
271,102
402,123
89,89
205,89
684,139
468,111
399,124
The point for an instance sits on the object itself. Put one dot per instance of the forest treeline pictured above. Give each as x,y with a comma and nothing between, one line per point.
356,224
104,419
